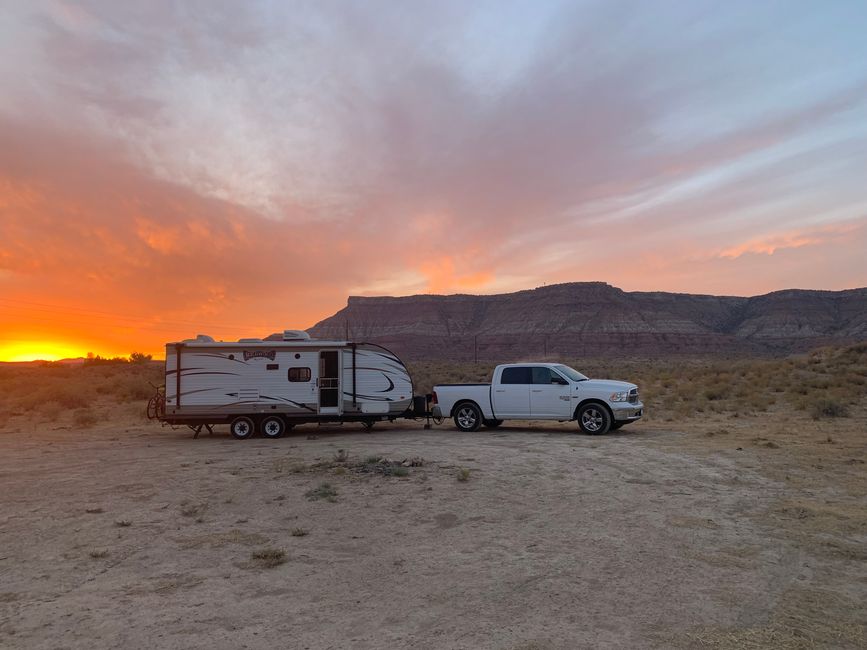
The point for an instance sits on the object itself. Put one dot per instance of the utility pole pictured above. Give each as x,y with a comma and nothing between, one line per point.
476,348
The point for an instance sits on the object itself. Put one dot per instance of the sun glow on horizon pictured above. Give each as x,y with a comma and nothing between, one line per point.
19,351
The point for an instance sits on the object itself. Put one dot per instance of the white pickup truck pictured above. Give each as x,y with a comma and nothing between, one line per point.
539,391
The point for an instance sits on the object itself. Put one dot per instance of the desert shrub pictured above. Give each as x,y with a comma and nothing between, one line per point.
51,411
828,408
463,475
140,358
323,491
84,417
341,456
193,509
299,532
268,557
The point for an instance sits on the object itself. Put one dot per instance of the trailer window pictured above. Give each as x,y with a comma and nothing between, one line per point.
299,374
517,375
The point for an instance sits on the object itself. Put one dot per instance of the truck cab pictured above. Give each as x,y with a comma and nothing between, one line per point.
540,391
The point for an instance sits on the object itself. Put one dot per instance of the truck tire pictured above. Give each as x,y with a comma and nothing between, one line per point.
492,424
272,426
594,419
468,417
242,428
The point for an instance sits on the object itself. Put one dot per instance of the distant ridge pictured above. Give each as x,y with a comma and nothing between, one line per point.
590,319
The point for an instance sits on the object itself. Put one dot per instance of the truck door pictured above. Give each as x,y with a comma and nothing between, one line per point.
512,393
329,381
549,395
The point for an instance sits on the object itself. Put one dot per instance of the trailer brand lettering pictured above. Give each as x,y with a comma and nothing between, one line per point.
260,354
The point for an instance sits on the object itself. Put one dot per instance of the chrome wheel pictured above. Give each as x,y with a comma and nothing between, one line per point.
594,419
467,417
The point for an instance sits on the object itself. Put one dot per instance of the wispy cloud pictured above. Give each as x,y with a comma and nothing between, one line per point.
251,164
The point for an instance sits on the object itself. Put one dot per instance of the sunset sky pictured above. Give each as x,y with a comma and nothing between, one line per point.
237,168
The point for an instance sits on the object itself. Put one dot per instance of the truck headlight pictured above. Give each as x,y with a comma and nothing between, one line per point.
619,397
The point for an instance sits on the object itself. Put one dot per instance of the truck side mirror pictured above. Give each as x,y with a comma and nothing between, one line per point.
559,380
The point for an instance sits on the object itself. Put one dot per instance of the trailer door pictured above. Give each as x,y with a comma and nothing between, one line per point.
329,381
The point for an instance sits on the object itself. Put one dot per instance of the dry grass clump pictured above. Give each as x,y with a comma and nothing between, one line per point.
828,408
268,558
463,475
300,532
323,491
84,417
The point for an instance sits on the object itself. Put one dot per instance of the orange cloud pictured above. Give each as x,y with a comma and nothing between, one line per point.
441,277
770,245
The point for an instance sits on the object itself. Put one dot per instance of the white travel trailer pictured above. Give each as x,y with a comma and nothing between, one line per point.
269,385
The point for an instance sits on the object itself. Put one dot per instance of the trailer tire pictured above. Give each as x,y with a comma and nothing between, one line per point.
272,426
368,424
468,417
242,428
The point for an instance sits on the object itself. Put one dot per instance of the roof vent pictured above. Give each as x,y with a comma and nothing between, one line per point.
295,335
204,338
249,340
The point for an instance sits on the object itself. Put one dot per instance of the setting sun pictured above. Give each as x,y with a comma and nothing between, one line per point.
38,351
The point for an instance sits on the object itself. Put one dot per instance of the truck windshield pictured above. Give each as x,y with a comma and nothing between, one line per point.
571,373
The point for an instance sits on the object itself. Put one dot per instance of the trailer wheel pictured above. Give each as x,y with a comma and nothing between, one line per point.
468,417
368,424
242,428
273,426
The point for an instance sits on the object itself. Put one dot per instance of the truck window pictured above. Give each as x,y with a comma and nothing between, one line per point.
516,376
543,375
299,374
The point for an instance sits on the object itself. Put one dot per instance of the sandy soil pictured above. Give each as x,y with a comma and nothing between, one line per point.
695,536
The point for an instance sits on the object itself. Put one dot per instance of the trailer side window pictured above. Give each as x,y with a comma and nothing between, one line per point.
299,374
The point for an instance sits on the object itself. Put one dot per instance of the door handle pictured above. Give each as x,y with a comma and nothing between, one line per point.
537,390
500,390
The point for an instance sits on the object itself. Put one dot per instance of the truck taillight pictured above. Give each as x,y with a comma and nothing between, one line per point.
434,398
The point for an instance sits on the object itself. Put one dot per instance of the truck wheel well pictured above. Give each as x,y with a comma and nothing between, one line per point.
461,403
592,400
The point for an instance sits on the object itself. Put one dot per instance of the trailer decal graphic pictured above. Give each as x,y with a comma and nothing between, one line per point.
390,384
219,356
171,372
275,399
372,398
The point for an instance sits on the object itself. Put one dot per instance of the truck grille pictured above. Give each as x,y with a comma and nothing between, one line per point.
633,396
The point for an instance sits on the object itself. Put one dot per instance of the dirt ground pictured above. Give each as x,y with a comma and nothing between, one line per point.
733,532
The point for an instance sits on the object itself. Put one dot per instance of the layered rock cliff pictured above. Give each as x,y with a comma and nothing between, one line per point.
595,319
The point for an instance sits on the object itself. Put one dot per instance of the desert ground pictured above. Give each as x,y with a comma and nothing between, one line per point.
696,529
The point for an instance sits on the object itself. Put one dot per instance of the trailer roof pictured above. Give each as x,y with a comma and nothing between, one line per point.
312,343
